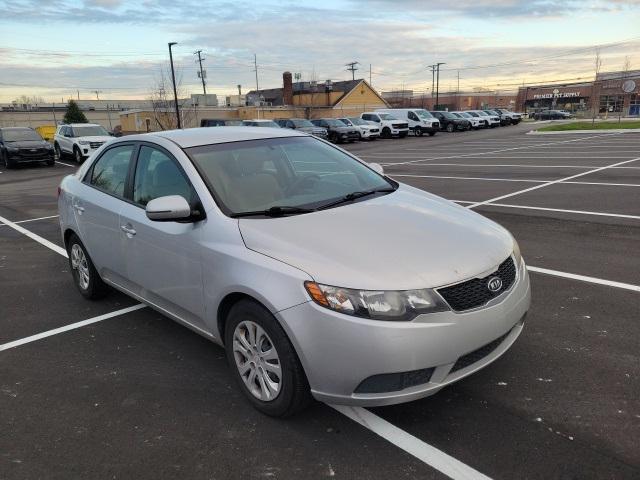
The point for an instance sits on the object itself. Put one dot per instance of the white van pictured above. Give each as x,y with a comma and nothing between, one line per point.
390,125
419,120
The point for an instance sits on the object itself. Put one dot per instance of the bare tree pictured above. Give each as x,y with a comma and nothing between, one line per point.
26,101
596,101
162,102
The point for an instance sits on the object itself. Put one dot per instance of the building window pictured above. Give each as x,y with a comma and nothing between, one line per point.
611,103
634,104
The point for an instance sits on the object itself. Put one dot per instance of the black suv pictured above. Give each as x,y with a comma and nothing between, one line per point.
451,123
21,144
220,122
302,125
337,131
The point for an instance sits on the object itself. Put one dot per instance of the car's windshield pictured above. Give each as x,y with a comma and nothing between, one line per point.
358,121
484,114
303,172
90,131
448,115
334,123
423,114
464,114
269,124
302,123
346,121
20,135
457,115
491,112
386,116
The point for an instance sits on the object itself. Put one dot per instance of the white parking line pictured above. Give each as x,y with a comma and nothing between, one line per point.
31,220
522,180
518,165
584,278
560,210
33,236
430,455
553,182
66,164
71,326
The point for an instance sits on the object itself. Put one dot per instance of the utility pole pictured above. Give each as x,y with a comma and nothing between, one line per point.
97,92
351,67
458,93
438,82
255,69
370,75
433,83
109,115
175,90
202,74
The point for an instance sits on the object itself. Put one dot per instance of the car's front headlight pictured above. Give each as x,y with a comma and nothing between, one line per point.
84,142
393,305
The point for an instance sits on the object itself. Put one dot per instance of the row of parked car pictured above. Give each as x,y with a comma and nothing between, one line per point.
384,123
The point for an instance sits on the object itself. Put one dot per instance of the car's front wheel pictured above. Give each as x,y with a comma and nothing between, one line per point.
77,154
84,273
58,151
265,365
450,128
418,132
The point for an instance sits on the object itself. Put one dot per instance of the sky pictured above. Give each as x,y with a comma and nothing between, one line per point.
56,49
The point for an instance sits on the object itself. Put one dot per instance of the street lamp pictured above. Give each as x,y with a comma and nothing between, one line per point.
438,83
173,79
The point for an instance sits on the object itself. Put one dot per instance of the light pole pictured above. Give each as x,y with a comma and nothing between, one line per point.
173,79
438,83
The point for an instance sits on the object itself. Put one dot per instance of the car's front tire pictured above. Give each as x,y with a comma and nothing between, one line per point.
264,362
386,132
77,154
450,128
85,275
58,151
418,132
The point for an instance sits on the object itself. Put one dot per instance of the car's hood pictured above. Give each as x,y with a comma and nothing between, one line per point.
96,138
28,144
404,240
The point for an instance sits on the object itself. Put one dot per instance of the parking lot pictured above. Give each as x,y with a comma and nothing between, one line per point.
131,394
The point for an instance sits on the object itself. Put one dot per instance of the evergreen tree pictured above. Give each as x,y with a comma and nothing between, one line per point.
74,114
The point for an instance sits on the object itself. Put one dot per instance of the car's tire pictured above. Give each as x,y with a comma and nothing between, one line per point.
450,127
386,132
431,134
58,150
418,132
77,155
85,275
51,162
254,340
333,137
8,162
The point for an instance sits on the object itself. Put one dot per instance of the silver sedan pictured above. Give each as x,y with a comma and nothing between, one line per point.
321,277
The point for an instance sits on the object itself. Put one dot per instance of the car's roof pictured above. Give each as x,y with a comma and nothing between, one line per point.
16,128
80,125
192,137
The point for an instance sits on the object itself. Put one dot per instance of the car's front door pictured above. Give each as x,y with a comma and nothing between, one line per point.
163,258
96,207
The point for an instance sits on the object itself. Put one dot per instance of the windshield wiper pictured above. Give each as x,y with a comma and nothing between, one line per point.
276,211
350,197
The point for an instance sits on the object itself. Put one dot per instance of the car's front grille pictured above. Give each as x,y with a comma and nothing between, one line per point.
32,152
478,354
96,144
400,125
373,130
476,292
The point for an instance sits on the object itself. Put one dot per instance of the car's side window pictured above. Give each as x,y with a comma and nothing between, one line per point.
413,116
158,175
110,171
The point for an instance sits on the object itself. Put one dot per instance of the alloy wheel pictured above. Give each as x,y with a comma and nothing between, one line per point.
257,361
79,263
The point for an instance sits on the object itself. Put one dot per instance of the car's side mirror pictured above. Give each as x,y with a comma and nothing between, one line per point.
167,209
377,168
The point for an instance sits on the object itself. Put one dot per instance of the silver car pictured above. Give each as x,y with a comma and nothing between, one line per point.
320,276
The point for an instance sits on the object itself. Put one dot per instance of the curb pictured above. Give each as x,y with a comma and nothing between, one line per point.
603,130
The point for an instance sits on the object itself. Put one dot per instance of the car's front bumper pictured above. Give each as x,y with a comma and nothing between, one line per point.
339,352
26,155
435,127
369,133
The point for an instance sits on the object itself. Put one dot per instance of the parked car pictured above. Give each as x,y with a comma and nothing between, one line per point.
476,123
493,120
510,117
302,125
366,130
260,123
79,140
21,144
419,120
552,115
318,274
390,125
219,122
450,122
337,131
484,121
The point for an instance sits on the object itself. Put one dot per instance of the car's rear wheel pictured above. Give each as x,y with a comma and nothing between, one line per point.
84,273
450,128
265,365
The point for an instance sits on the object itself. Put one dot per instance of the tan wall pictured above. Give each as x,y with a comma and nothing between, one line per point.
39,119
362,95
319,99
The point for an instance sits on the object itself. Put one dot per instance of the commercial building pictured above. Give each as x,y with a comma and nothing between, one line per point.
611,93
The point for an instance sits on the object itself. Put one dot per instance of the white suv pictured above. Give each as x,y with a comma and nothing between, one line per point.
390,126
79,140
367,130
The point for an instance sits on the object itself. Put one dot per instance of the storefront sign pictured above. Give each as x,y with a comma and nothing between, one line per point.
557,94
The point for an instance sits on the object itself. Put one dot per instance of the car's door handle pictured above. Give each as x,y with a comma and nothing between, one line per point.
78,208
130,231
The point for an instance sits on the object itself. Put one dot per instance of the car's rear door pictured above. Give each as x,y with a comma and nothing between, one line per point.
163,257
96,207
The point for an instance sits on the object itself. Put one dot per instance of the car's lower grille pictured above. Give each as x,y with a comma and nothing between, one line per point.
374,130
400,125
394,382
96,144
477,355
32,153
476,292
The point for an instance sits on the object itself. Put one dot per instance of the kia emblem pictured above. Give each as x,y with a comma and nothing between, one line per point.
494,284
